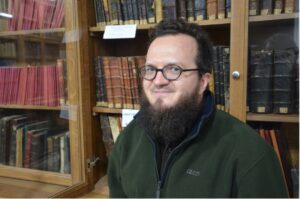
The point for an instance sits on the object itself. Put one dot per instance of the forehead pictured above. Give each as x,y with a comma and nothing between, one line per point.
179,45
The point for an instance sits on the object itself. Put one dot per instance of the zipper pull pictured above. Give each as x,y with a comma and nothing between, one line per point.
158,189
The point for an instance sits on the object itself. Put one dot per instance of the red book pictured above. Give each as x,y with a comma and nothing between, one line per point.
2,75
45,86
22,85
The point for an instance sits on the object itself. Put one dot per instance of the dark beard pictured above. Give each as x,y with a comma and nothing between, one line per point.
170,125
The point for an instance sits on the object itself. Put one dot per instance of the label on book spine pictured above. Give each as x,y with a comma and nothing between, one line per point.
120,31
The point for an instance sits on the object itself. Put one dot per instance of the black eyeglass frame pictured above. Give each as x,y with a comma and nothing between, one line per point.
142,72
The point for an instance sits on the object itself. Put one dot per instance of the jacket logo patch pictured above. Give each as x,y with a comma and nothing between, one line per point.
193,172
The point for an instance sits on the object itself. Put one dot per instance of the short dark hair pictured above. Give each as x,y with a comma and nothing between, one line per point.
179,26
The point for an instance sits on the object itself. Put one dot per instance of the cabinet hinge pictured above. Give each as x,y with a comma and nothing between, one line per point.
91,163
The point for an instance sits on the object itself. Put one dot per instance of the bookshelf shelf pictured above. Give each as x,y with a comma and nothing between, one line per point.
274,18
26,32
292,118
148,26
15,106
98,109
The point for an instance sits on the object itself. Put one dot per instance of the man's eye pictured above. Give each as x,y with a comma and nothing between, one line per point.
149,69
173,69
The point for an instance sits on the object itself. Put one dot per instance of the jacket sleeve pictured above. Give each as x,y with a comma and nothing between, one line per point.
264,179
114,177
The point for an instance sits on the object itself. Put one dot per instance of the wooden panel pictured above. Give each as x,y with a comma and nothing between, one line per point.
273,118
238,58
72,56
14,188
36,175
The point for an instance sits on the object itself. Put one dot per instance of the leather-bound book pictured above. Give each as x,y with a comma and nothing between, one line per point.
253,7
266,7
212,9
283,81
261,81
278,6
200,9
169,9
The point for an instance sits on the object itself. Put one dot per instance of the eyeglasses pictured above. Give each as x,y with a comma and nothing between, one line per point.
170,72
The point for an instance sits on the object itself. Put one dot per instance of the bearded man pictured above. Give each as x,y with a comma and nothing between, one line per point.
179,145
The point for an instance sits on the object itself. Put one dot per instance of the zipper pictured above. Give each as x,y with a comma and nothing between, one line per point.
158,189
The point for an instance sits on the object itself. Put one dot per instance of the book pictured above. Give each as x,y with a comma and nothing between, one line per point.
253,7
283,81
228,8
221,9
150,11
212,9
107,137
128,103
289,6
266,7
181,9
190,10
200,9
169,9
116,81
261,81
5,134
108,84
101,99
38,151
278,6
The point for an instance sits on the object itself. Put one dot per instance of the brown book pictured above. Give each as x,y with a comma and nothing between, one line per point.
266,7
106,134
139,61
212,9
221,9
261,133
126,84
61,81
116,80
267,136
108,82
289,6
278,6
253,7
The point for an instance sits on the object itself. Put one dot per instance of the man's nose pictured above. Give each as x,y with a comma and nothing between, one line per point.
160,79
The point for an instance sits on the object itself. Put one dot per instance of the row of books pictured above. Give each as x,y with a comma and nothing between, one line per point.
267,7
153,11
272,81
32,85
117,81
32,14
8,49
30,143
221,70
111,128
277,139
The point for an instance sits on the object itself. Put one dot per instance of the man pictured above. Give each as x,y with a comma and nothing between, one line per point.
179,145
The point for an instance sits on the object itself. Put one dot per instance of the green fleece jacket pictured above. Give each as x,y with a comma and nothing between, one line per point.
223,158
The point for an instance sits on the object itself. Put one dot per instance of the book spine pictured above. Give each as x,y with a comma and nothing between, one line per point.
158,10
253,7
221,9
289,6
212,9
190,10
266,7
278,6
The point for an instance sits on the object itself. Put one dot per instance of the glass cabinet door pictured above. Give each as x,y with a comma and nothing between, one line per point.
273,81
40,135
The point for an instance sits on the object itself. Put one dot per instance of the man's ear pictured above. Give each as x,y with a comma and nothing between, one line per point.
204,82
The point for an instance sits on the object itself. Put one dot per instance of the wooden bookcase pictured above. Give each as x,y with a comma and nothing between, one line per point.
74,116
233,31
